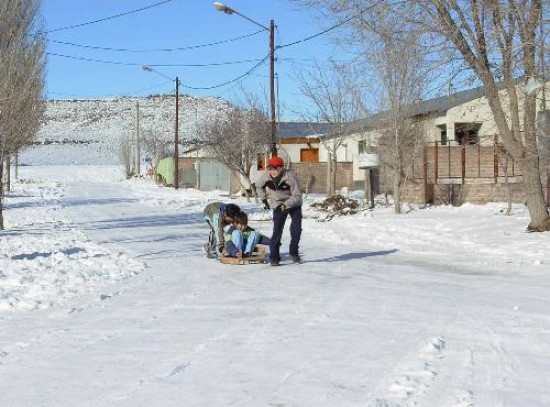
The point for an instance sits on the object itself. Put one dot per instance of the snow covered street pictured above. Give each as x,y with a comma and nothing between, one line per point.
106,299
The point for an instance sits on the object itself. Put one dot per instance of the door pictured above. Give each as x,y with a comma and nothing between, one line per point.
213,175
309,155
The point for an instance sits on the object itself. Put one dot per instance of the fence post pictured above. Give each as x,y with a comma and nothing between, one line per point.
425,165
463,158
436,161
495,158
479,158
450,174
425,172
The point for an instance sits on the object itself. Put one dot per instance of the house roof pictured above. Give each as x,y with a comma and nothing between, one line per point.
301,129
285,130
437,105
444,103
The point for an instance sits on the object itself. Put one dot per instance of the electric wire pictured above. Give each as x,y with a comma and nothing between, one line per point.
156,50
248,73
102,61
335,26
231,81
241,77
106,18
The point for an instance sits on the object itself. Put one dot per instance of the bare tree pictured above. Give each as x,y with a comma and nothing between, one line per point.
235,137
339,99
155,143
399,66
498,42
22,67
125,155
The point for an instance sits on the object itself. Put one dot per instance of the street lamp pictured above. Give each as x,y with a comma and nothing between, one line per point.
176,135
228,10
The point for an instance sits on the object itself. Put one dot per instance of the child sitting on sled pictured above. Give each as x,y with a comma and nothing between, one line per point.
241,239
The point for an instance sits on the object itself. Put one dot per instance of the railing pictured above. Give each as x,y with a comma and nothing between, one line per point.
486,159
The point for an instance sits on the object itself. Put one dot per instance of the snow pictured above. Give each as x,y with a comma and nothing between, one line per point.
90,131
106,299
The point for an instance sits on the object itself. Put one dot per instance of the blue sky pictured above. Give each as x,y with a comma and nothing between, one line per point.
81,66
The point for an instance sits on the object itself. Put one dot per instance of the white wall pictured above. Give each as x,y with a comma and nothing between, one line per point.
479,111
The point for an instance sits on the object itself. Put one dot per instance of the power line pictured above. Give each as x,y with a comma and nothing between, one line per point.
107,18
159,49
249,72
102,61
238,78
313,61
335,26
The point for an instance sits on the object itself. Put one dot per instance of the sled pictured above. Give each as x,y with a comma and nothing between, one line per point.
258,256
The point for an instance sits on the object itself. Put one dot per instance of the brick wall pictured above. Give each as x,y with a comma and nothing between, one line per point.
484,178
478,191
313,176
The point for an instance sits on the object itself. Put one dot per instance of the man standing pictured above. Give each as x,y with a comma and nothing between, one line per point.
281,188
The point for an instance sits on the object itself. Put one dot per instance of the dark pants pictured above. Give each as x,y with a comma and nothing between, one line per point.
212,234
279,219
211,247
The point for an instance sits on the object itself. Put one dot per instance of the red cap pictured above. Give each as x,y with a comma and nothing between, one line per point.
276,162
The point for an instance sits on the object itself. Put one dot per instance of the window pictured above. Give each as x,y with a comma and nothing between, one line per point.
362,146
443,134
467,133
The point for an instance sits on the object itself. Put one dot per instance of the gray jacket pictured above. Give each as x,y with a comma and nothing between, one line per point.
285,189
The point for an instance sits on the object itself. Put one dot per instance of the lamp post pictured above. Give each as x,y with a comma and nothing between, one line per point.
176,134
228,10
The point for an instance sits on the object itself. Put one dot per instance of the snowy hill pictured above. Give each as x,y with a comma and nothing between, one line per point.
89,131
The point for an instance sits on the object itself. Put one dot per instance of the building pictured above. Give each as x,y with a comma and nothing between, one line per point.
461,157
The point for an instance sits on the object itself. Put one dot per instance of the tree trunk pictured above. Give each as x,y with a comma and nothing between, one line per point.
333,175
526,155
397,171
246,186
534,196
507,183
397,190
8,173
330,185
1,192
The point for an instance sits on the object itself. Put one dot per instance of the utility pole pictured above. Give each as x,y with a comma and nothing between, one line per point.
176,138
176,132
138,152
228,10
272,87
